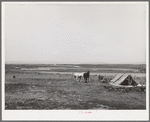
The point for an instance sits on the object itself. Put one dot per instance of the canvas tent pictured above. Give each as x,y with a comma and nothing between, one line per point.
123,80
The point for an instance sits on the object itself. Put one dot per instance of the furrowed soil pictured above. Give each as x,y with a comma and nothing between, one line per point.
36,90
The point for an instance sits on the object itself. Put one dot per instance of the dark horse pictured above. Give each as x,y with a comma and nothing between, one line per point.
86,76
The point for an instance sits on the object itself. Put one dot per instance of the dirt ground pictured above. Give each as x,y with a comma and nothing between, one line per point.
35,90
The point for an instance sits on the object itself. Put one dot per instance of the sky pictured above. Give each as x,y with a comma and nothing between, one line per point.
75,32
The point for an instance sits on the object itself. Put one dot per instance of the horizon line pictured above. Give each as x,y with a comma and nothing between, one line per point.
73,63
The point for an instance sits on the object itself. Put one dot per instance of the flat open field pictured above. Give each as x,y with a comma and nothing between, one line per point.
53,87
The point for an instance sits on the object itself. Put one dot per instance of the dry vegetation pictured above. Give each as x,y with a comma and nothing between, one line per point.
34,90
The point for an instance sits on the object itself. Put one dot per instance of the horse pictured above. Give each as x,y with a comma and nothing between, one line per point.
78,76
86,76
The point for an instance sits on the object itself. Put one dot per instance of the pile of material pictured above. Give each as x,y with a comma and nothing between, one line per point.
124,89
104,79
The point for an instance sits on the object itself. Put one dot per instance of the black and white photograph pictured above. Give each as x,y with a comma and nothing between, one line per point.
75,60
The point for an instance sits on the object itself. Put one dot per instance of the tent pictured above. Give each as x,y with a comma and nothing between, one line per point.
123,80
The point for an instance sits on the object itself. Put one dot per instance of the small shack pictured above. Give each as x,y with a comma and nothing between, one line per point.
123,80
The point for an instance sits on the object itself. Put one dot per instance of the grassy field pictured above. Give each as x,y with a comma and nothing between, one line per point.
35,90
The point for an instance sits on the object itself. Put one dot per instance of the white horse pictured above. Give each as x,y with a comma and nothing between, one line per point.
78,76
